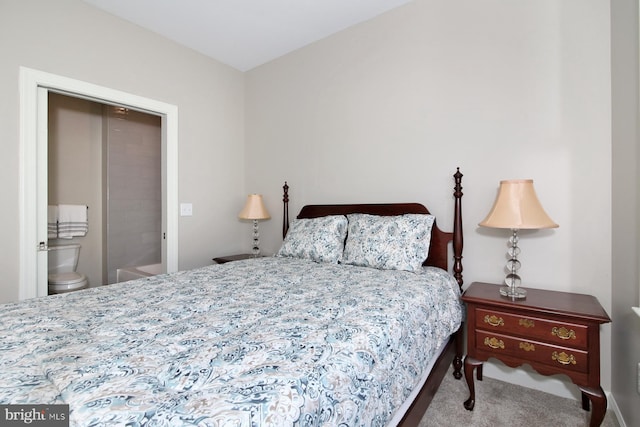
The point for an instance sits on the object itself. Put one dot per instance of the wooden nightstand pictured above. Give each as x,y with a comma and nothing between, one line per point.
554,332
229,258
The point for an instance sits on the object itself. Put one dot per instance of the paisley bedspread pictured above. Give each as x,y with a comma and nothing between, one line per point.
261,342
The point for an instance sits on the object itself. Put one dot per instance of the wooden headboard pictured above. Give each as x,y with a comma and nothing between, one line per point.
439,247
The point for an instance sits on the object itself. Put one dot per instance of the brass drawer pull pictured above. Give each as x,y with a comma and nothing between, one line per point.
563,358
527,346
563,333
494,320
494,343
527,323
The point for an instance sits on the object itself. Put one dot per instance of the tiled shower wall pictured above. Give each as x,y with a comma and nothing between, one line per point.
134,192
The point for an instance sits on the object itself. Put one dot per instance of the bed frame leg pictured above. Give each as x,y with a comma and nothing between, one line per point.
457,360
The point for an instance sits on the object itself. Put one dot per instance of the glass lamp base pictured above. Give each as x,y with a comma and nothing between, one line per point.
513,292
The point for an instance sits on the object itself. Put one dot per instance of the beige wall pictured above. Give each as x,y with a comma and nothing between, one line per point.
72,39
386,110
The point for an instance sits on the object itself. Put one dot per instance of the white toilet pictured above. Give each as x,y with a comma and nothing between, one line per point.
63,260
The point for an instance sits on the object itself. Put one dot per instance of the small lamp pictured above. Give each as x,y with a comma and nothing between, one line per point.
254,209
516,208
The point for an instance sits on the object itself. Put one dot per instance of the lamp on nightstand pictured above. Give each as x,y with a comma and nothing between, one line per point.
255,210
516,208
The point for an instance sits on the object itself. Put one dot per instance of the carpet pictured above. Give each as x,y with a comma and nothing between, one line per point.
503,404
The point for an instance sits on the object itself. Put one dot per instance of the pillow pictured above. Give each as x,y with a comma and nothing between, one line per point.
388,242
318,239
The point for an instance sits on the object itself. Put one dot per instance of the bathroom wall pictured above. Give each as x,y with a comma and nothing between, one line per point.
134,205
75,172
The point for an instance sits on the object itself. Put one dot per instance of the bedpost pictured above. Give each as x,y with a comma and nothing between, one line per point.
457,269
285,207
457,229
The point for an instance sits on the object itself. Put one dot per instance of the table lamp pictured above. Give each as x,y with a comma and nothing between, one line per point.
255,210
516,208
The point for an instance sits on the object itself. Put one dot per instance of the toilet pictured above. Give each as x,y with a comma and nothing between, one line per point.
63,260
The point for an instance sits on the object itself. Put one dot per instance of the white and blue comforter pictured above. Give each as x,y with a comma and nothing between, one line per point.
263,342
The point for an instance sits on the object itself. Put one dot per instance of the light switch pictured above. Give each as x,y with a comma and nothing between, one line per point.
186,209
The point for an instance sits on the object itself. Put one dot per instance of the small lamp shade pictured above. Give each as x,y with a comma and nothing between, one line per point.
517,207
254,208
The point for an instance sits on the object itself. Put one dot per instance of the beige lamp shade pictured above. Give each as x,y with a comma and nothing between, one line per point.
254,208
517,207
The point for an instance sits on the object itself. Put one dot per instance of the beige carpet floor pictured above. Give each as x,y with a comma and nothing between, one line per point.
503,404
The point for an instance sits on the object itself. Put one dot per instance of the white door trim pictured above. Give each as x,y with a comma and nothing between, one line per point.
30,81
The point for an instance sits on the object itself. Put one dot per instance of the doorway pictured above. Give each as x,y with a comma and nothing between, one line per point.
107,158
34,89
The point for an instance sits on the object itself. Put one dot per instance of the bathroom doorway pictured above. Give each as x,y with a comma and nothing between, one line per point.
34,88
108,158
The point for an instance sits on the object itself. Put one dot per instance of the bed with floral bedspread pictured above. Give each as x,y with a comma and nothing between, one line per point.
264,342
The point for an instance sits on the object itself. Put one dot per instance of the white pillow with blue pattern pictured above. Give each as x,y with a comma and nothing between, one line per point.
318,239
388,242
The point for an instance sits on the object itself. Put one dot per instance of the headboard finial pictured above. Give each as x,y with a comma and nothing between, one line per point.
285,215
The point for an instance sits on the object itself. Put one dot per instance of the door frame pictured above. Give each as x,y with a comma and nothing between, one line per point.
33,227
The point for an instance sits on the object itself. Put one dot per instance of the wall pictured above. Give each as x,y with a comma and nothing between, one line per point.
72,39
625,207
75,172
386,110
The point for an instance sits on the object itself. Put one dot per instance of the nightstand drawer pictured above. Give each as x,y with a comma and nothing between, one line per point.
562,333
562,358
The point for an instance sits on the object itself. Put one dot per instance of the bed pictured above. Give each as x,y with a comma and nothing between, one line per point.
320,334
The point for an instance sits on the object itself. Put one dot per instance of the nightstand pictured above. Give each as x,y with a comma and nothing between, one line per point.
229,258
554,332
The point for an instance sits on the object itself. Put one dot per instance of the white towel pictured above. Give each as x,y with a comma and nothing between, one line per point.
72,221
52,221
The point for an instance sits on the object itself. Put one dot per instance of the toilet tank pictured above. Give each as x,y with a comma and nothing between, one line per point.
63,258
